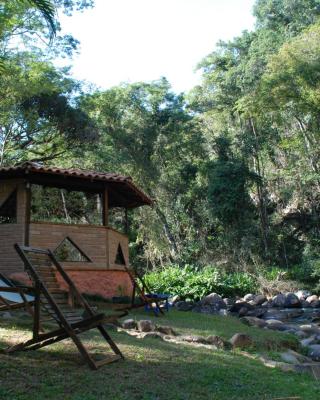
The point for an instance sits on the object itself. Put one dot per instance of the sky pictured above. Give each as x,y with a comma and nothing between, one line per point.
143,40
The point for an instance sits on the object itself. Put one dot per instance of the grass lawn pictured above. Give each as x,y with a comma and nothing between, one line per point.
153,369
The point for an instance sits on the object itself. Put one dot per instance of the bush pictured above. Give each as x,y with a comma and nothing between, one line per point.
194,283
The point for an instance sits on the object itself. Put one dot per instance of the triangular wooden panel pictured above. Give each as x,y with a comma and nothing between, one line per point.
68,251
120,260
8,209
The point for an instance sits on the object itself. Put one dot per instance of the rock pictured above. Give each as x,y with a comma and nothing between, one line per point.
129,324
312,298
310,329
292,300
307,342
241,340
193,339
295,313
214,300
239,304
279,300
314,352
228,302
145,325
302,294
300,357
249,297
260,299
184,305
256,312
315,304
305,304
301,334
243,311
175,299
166,330
289,358
217,341
153,335
253,321
6,315
275,324
224,313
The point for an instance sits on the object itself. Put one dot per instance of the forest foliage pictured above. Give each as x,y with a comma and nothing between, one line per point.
233,165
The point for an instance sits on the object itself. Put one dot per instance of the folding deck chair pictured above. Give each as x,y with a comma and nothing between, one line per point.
13,297
41,265
148,299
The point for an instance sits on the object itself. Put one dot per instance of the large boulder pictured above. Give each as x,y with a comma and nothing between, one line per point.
241,340
145,325
310,329
217,341
241,304
292,301
302,294
214,300
279,300
311,299
260,299
253,321
249,297
184,305
275,325
314,352
166,330
129,324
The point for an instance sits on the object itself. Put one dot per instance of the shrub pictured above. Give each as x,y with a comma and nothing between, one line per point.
194,283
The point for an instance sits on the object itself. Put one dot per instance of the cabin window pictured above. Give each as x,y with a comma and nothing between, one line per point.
62,206
68,251
8,209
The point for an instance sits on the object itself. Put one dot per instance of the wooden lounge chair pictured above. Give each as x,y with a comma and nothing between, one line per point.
41,265
147,299
13,297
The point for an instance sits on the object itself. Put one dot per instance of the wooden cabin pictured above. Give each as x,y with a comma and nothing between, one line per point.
92,251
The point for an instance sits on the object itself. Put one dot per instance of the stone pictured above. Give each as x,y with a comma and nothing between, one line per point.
224,313
215,300
243,311
239,304
291,300
152,335
145,325
260,299
217,341
275,324
241,340
228,302
175,299
307,342
311,329
249,297
184,305
279,300
305,304
253,321
193,339
295,313
129,324
289,358
166,330
301,334
257,312
302,294
314,352
312,298
315,304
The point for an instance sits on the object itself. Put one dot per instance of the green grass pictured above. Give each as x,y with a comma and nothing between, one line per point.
153,369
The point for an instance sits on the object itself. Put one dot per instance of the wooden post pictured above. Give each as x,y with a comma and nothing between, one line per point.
126,222
105,207
27,213
36,315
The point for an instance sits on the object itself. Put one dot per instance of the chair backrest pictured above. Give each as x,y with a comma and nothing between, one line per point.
42,267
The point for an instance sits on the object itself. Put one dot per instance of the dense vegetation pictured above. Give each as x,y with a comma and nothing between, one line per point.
233,165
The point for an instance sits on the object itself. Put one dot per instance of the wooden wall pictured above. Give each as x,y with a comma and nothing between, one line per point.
99,243
12,233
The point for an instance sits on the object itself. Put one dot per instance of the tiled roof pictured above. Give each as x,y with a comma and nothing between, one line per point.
92,176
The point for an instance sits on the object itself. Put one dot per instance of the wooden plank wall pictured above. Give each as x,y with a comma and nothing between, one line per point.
12,233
